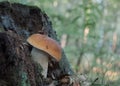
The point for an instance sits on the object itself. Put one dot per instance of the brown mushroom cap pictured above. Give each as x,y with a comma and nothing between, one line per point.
46,44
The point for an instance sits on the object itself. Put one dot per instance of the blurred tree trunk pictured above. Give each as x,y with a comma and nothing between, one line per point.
64,40
17,23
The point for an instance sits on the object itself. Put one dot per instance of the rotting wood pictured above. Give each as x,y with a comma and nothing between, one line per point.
18,22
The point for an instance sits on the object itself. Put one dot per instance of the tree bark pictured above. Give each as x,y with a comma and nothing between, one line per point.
17,23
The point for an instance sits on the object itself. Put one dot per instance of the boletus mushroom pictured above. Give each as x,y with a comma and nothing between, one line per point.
43,48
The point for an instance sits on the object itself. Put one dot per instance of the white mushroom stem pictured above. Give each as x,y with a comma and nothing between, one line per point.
42,58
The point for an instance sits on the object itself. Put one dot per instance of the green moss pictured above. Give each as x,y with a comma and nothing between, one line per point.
24,81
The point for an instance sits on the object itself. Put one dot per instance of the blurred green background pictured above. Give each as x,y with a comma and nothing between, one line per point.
89,32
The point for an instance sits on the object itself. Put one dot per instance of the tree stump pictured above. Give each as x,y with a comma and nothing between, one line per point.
17,23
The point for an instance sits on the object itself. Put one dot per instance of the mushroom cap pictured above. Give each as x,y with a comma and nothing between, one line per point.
46,44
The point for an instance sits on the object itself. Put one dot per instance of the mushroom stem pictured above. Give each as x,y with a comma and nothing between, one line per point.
42,58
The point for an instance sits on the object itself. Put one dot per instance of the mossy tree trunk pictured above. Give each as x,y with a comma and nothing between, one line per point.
17,23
